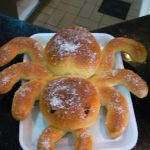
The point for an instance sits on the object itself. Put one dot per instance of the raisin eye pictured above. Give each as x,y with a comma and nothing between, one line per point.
52,111
87,111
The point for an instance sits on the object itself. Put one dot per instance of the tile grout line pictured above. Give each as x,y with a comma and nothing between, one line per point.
80,8
101,19
79,12
61,19
68,11
71,4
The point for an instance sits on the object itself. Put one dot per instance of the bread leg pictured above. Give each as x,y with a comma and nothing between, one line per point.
21,45
48,138
124,77
25,97
28,71
83,140
117,111
136,50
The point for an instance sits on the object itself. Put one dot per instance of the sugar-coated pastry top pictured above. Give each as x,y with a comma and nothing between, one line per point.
73,50
70,103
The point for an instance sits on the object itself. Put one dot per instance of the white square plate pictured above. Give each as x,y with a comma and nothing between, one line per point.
31,128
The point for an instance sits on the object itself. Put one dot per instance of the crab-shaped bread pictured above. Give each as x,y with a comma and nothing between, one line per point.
71,77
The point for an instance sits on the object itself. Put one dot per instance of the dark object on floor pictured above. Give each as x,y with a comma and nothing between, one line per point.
115,8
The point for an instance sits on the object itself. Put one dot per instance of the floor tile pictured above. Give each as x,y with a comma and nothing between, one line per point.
92,2
68,8
51,27
42,17
48,10
62,6
55,18
67,20
95,15
100,25
109,20
136,5
36,22
133,12
64,1
86,10
86,23
99,2
76,3
130,17
54,3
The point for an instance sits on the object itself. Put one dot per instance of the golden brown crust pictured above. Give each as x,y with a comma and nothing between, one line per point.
70,103
21,45
27,71
117,111
135,49
25,97
83,140
73,50
48,138
124,77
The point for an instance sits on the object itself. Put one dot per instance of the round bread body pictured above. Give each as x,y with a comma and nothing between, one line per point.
73,50
70,103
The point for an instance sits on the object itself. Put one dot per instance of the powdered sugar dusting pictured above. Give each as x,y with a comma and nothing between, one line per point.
5,80
56,96
114,72
65,94
116,97
37,49
65,46
5,50
78,34
72,42
69,47
135,81
108,59
24,91
132,79
56,102
36,45
82,134
118,108
46,144
92,56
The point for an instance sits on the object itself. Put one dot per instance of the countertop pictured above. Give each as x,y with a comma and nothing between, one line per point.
138,29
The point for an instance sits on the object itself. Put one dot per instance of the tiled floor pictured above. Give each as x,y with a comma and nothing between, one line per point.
61,13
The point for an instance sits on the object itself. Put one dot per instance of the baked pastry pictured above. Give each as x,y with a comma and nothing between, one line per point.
70,99
21,45
135,49
71,103
75,48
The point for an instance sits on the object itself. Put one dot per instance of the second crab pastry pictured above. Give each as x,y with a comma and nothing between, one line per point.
72,77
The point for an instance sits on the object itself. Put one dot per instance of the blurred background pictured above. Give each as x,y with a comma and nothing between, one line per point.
92,14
